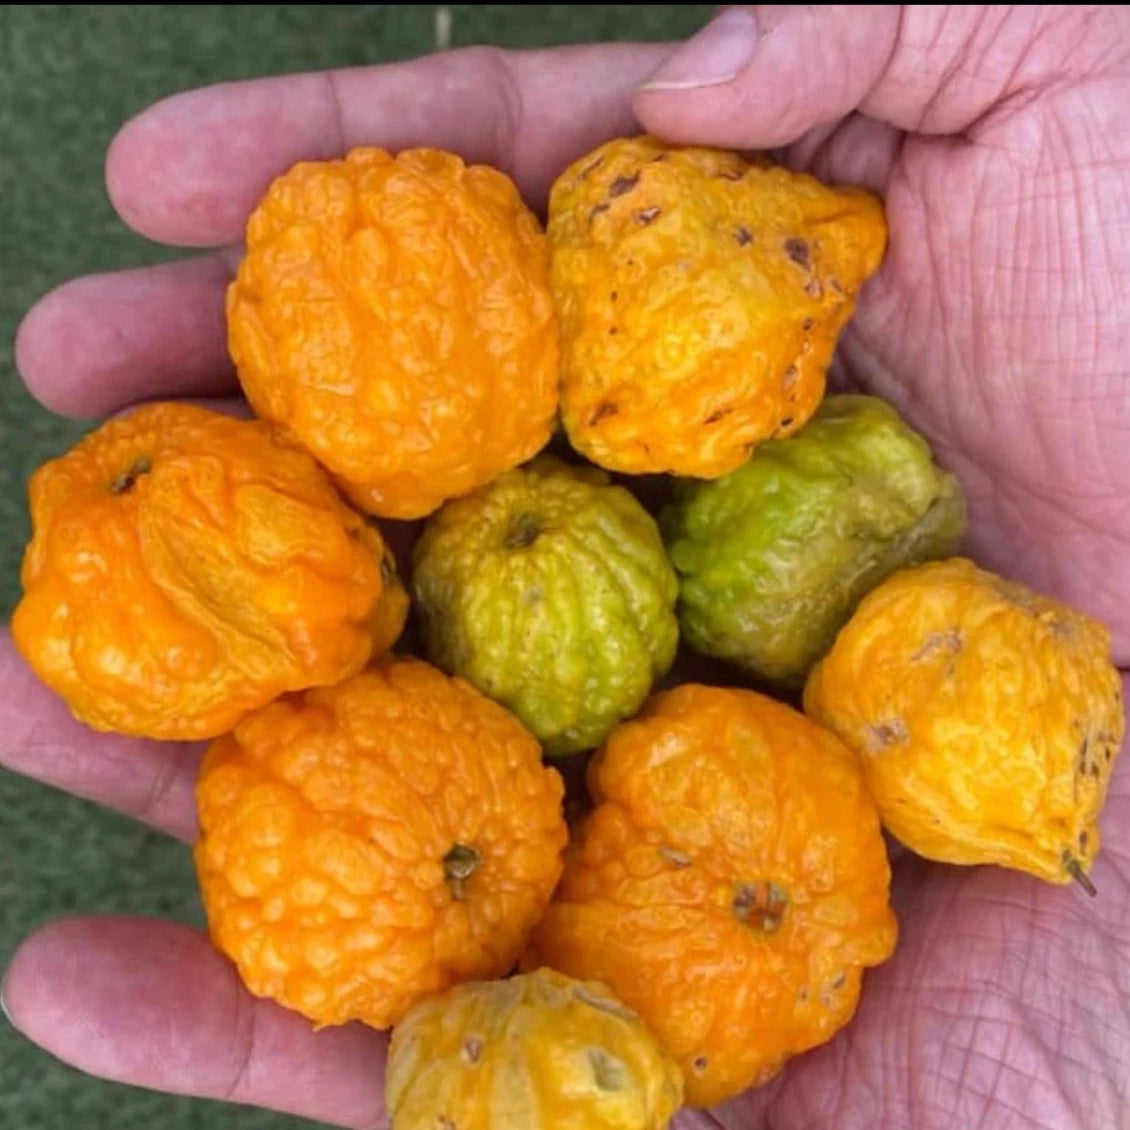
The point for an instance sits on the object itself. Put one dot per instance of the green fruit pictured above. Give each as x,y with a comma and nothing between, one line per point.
549,590
773,558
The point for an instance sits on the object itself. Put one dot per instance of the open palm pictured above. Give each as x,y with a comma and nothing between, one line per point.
999,325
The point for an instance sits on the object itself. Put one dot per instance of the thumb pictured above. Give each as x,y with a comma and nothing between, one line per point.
762,76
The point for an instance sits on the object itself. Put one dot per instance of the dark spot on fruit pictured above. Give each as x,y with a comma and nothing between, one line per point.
646,215
743,236
761,906
797,250
840,981
786,422
472,1050
614,295
623,184
883,735
675,857
813,289
660,157
699,1063
807,325
596,211
802,996
612,331
1083,838
790,380
524,530
718,414
602,410
125,482
592,166
835,288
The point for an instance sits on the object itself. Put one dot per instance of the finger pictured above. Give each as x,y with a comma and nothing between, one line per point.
189,169
154,1005
762,76
151,781
97,343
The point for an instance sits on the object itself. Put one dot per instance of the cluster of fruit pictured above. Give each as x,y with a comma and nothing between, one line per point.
384,834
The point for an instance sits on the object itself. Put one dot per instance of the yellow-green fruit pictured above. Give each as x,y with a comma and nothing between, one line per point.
986,717
773,557
550,591
536,1052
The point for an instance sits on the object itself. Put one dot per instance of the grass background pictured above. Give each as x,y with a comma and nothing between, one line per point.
69,76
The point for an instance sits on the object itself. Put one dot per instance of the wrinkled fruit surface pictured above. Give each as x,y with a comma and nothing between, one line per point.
367,844
395,315
773,558
730,885
700,298
186,567
551,592
536,1052
986,717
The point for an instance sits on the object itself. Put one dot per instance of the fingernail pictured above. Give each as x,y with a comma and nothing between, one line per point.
713,56
4,1004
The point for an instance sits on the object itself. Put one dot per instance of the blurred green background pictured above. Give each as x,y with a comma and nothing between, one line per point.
69,76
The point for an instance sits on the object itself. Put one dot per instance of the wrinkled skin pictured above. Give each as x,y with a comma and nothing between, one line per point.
999,327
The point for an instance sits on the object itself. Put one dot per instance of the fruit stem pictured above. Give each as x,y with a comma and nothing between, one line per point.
1075,870
459,864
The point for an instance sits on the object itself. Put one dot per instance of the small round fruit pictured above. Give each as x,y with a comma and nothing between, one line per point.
700,298
986,717
536,1052
394,314
550,591
366,844
773,558
730,885
186,567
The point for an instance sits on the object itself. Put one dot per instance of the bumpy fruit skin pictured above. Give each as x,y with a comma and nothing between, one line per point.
538,1051
186,567
551,592
366,844
773,558
394,313
986,717
730,885
700,298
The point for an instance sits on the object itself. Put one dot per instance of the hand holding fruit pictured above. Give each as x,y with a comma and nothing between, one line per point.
953,331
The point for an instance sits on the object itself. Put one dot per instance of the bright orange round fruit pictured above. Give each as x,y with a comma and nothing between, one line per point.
364,845
730,885
186,567
394,313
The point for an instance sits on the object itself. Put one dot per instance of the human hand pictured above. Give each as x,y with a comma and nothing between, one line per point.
999,326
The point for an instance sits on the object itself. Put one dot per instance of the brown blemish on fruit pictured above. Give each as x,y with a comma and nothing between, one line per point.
125,482
882,735
646,215
623,184
601,411
790,380
718,414
939,642
675,857
797,250
743,236
596,211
